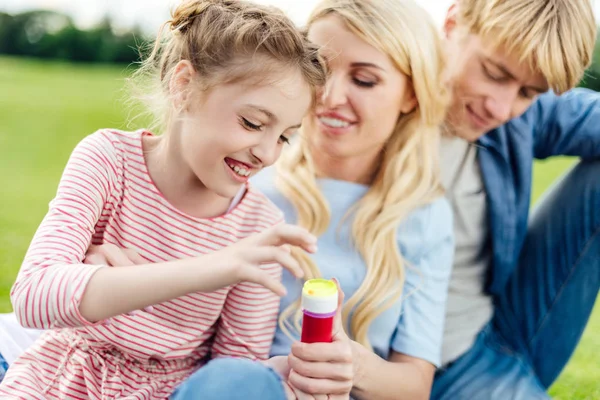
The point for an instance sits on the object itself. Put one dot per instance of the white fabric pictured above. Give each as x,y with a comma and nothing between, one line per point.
14,339
468,307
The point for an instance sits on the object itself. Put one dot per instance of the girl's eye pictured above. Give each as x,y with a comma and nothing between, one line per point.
284,139
249,125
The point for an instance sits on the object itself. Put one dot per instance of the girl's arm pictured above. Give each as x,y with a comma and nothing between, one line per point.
255,260
248,320
52,279
55,289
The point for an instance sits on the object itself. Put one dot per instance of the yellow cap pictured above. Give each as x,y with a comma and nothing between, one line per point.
319,288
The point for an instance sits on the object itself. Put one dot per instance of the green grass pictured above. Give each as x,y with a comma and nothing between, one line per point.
46,108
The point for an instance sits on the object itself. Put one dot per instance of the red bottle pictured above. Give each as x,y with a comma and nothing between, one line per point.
319,305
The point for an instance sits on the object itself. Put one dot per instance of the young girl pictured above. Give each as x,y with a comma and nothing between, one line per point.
236,80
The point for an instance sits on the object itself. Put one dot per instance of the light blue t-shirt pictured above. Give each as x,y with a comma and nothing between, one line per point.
413,326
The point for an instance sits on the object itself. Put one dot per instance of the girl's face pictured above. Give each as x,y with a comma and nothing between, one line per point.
362,100
231,132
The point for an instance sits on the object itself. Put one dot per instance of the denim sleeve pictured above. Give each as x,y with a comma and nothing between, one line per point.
566,125
427,244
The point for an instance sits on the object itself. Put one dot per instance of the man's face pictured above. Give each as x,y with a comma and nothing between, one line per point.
490,86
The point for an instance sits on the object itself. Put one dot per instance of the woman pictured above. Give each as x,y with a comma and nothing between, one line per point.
363,177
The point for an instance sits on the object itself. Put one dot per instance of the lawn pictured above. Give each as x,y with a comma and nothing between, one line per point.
46,108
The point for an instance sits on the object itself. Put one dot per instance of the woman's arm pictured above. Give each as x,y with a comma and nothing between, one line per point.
417,342
402,377
426,242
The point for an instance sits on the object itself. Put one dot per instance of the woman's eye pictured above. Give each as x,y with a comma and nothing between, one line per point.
362,83
249,125
284,139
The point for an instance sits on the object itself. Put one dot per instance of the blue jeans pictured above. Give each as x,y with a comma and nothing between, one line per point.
541,316
223,379
3,367
232,379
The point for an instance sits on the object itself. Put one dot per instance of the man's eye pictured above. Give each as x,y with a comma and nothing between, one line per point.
489,74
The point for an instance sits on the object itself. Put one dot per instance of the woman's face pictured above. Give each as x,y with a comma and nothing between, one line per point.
359,106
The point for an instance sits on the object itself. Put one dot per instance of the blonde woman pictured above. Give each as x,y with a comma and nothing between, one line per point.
363,177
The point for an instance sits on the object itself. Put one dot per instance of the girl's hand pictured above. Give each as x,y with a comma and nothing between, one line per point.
324,368
241,261
233,264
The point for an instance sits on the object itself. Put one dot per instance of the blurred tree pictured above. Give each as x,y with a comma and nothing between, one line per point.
591,79
49,34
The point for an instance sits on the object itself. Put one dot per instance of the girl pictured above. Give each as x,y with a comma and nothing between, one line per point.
234,80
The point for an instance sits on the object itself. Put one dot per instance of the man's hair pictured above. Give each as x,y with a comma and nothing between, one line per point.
556,37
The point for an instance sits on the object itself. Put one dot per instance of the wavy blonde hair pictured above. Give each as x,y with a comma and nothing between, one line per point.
408,175
556,37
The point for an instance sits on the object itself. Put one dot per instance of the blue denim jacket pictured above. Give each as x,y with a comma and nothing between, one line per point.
553,125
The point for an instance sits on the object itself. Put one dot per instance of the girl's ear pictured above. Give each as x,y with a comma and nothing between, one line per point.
180,83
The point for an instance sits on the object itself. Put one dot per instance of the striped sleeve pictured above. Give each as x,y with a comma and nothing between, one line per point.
248,319
52,279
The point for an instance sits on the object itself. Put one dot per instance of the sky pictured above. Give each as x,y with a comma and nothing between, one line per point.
151,13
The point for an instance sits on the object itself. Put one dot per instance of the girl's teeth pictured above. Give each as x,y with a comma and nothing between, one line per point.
334,122
240,171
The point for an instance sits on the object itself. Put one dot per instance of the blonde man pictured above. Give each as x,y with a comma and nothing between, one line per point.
522,289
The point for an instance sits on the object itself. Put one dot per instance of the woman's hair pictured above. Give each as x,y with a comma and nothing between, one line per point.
408,175
226,41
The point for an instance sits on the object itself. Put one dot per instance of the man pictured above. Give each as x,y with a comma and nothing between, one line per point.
522,287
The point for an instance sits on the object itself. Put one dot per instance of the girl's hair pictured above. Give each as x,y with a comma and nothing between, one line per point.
226,41
408,175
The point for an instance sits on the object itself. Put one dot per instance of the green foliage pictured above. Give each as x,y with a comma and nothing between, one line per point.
51,35
591,80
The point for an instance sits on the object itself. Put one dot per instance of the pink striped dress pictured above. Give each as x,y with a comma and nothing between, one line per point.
107,196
